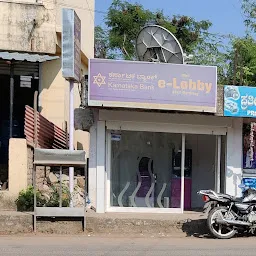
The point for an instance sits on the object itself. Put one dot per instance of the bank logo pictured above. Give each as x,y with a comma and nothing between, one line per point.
99,80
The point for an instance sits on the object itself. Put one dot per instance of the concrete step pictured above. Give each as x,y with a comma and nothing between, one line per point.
12,222
153,224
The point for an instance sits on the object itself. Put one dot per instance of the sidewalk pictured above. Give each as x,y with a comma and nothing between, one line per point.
12,222
187,224
121,224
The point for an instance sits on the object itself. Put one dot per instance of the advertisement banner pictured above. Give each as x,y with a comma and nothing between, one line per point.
239,101
147,85
249,144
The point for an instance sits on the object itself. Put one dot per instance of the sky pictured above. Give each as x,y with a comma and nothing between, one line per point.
226,15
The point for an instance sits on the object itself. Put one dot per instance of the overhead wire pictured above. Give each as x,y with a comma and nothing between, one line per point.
90,10
77,6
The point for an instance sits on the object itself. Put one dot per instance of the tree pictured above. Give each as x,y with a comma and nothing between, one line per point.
101,45
242,56
124,21
242,62
211,51
249,9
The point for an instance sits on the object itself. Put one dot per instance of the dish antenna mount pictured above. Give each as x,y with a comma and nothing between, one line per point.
156,44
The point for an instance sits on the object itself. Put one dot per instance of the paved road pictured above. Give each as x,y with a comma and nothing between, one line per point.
92,246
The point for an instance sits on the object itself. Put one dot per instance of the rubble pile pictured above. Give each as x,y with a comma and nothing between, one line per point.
51,183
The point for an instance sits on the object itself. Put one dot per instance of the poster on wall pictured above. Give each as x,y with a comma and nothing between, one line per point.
239,101
147,85
249,146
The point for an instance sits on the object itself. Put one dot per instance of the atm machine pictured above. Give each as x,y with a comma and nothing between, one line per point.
176,179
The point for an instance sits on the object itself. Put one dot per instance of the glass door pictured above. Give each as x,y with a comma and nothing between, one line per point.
141,171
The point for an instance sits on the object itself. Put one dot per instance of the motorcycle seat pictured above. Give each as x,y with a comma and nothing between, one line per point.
237,199
232,198
224,195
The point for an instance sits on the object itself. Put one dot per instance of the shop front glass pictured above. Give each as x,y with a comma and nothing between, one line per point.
145,169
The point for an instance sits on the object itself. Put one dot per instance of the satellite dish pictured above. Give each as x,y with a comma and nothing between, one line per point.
157,44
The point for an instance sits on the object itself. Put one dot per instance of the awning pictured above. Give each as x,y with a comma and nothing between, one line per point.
26,57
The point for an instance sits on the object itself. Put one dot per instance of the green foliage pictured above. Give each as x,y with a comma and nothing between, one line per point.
242,62
55,197
101,46
124,21
101,43
189,32
242,56
25,200
212,52
249,9
236,61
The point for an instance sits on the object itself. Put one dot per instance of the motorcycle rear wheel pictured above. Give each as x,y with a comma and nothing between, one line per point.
219,230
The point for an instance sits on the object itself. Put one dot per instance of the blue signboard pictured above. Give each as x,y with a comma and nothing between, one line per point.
249,182
239,101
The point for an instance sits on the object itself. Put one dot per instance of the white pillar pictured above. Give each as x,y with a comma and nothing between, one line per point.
71,138
218,164
183,152
234,157
100,203
92,171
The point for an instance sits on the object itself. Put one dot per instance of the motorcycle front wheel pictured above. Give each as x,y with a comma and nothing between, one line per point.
219,230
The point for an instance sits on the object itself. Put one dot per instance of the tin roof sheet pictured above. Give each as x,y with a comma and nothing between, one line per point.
26,57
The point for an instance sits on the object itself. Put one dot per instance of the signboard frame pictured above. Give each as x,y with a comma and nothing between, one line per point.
239,101
149,105
71,70
71,45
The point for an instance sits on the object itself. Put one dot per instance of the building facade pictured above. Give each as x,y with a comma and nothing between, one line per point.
132,152
239,102
152,147
30,60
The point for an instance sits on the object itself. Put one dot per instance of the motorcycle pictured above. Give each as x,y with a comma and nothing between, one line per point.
228,215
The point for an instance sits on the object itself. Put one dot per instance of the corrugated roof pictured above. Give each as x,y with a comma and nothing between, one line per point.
26,57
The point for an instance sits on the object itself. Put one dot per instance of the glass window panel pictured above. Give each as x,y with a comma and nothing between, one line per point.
143,170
